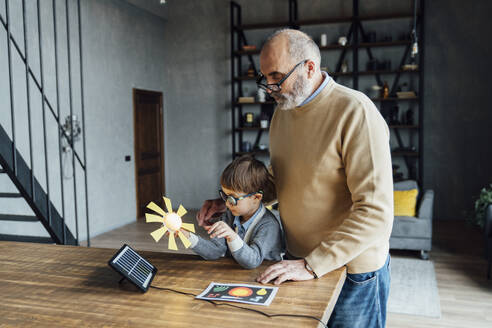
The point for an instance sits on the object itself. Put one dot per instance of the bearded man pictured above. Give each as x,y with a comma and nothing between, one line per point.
330,157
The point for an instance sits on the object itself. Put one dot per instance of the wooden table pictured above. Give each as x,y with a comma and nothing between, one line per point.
67,286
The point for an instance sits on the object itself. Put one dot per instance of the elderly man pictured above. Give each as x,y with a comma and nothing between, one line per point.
331,161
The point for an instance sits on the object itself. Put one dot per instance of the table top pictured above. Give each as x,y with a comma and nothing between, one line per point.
54,285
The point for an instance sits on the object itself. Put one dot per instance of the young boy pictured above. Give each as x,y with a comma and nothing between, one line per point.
248,231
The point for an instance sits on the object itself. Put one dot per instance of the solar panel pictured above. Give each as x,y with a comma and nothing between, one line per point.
133,267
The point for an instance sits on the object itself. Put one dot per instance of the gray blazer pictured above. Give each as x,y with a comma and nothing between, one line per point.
263,241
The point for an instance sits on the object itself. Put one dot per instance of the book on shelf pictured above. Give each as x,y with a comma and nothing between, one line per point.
246,100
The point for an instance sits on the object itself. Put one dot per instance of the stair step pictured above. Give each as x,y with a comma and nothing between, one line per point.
28,187
19,218
26,239
10,195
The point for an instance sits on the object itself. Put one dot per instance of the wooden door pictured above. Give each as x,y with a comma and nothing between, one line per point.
149,149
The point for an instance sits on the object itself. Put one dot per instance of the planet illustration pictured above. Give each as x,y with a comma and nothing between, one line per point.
261,292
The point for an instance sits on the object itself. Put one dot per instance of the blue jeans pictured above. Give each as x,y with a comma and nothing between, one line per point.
362,301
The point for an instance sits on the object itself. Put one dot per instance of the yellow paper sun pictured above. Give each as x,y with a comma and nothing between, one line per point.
171,222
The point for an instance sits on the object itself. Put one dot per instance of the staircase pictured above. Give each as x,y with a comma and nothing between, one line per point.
12,161
35,196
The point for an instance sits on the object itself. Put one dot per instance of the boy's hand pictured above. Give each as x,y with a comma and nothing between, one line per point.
185,232
221,230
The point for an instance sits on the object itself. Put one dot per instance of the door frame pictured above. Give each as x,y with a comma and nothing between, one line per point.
135,142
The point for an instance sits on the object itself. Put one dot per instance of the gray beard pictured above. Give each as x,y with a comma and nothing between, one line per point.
300,92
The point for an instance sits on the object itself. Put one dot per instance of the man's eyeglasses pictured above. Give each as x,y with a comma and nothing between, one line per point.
233,200
275,87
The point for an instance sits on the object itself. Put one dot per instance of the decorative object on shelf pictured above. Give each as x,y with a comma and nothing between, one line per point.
262,146
402,87
410,67
246,146
245,100
249,119
385,90
264,121
393,119
323,40
261,95
342,41
406,94
344,67
409,117
376,90
397,176
249,47
251,71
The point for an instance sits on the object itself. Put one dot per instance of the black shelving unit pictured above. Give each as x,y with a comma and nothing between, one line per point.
357,41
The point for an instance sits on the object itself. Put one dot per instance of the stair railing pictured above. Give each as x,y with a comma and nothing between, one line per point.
62,134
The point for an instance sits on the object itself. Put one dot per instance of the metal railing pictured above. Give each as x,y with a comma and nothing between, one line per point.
40,85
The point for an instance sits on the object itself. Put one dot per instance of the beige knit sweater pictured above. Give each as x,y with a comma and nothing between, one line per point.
332,166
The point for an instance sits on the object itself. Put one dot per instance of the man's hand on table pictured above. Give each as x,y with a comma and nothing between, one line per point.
210,209
285,270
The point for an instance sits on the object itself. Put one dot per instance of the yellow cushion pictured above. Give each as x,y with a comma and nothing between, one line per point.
405,202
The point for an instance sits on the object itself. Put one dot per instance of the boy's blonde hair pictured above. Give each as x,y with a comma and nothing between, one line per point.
247,174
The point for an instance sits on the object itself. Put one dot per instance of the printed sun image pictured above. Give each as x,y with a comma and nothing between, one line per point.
240,292
171,221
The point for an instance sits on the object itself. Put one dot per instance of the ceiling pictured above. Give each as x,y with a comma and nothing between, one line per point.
153,6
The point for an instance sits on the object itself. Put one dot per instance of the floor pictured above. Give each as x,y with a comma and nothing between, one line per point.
465,293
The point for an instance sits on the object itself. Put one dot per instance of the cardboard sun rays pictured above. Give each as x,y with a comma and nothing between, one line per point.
171,221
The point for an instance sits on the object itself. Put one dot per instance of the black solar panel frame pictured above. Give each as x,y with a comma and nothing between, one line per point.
129,277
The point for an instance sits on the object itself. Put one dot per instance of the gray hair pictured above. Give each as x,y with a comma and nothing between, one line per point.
301,46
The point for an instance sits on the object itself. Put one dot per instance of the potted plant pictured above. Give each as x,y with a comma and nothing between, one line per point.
483,218
484,200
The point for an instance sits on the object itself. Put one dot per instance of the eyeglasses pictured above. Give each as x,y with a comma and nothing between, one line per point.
275,87
233,200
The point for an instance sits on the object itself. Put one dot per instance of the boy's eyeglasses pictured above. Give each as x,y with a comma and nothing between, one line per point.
275,87
233,200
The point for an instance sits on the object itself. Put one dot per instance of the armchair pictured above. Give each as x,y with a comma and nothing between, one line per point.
414,233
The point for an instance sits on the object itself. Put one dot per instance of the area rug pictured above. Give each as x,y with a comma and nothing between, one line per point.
413,288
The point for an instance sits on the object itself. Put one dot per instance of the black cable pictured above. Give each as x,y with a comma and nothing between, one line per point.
244,308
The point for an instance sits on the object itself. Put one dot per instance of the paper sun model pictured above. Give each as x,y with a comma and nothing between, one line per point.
171,221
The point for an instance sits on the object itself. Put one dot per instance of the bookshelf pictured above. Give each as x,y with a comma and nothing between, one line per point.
361,48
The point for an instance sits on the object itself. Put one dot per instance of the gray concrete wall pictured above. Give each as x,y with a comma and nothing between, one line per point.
458,134
123,48
196,99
